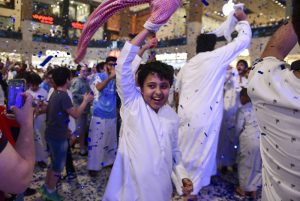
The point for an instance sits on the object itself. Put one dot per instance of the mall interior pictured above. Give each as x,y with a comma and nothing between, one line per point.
32,30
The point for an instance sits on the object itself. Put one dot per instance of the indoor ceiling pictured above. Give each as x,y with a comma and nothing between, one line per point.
260,12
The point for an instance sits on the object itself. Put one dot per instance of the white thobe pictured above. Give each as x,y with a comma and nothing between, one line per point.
249,159
102,143
227,146
275,94
200,109
242,82
39,125
148,142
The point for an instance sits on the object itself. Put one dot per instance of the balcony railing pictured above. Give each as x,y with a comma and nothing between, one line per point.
67,41
10,34
172,42
9,4
256,32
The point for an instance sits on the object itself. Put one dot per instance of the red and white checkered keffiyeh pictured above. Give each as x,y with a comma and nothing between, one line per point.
161,11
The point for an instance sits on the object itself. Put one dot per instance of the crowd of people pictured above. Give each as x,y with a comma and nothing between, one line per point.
225,118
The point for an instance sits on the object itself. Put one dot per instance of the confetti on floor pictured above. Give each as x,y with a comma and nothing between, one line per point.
86,188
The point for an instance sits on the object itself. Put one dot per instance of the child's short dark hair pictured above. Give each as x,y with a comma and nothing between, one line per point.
49,73
78,68
34,79
164,71
244,62
110,58
61,75
206,42
100,66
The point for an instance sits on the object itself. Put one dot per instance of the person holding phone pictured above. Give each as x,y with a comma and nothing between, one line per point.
21,158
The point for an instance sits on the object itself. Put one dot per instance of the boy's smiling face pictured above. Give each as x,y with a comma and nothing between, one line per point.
155,91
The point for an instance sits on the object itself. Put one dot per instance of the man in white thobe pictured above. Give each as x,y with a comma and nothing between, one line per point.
274,89
200,86
227,145
249,159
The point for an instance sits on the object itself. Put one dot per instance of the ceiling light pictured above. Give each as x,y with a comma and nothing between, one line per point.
245,53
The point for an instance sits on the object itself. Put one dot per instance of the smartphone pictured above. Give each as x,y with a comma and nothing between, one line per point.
15,89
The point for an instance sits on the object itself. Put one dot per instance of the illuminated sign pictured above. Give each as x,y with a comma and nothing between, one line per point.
77,25
58,53
43,19
172,56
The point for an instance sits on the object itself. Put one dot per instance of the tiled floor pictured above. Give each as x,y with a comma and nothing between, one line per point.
85,188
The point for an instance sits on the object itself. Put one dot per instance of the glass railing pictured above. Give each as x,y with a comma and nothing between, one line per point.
172,42
8,4
73,42
264,31
256,32
10,34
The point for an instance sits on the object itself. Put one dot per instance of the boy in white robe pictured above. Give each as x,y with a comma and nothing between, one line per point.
39,123
249,159
274,90
227,145
228,141
148,151
200,84
242,67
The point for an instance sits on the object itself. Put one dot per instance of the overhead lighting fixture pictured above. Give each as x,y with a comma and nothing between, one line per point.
245,53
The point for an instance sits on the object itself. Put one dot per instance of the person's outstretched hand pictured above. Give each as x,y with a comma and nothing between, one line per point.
112,73
187,186
161,11
152,43
88,97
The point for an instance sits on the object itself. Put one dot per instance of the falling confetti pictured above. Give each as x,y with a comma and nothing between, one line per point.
205,2
46,60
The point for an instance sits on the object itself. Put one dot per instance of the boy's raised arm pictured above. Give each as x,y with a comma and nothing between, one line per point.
124,75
